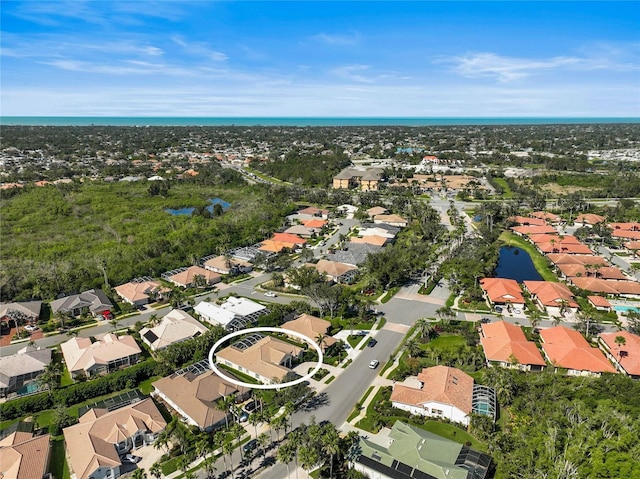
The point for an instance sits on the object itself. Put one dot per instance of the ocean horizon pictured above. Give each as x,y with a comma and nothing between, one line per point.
300,121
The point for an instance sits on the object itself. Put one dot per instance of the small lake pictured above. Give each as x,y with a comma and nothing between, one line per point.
515,263
190,209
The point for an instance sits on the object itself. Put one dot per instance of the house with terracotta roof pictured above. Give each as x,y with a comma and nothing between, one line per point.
629,289
265,358
588,219
193,393
141,291
184,277
567,349
174,327
223,265
633,247
554,298
593,271
548,217
315,224
363,179
19,370
626,234
439,391
584,259
600,303
313,328
533,230
335,271
96,443
108,353
527,221
502,291
544,238
505,345
313,211
566,244
624,354
289,238
23,455
370,239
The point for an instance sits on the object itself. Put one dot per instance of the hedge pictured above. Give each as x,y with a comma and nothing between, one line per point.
79,392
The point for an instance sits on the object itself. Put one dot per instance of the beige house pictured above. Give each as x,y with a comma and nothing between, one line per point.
313,328
335,271
19,370
193,391
221,264
393,220
184,277
141,291
108,353
23,455
265,358
176,326
365,179
94,446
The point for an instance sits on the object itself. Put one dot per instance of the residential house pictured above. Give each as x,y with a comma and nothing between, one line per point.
353,254
193,393
184,277
227,265
600,303
380,229
24,455
441,392
371,239
588,219
533,230
588,270
108,353
584,259
623,353
365,180
95,445
19,372
313,211
554,298
301,231
503,292
566,348
235,313
527,221
633,247
24,312
263,357
408,452
604,286
566,244
336,272
315,224
505,345
93,301
548,217
289,238
392,220
141,291
313,328
626,234
376,210
174,327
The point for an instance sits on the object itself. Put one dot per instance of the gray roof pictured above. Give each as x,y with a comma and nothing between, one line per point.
94,299
30,308
355,254
368,174
26,361
384,226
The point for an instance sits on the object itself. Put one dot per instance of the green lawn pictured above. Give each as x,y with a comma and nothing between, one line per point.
452,432
58,462
502,183
539,261
444,341
145,386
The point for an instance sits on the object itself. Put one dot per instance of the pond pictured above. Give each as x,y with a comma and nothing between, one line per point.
189,209
515,263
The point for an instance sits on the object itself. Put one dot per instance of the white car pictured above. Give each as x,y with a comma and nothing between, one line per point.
270,294
374,364
131,458
31,328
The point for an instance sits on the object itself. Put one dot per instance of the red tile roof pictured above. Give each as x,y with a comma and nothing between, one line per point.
590,219
629,360
501,290
550,293
566,348
534,230
288,238
563,258
526,221
504,341
599,301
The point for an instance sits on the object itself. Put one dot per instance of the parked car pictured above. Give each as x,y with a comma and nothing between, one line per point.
485,320
270,294
31,328
250,446
131,458
250,406
372,342
374,364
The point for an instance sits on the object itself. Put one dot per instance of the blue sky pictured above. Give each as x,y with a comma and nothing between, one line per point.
379,59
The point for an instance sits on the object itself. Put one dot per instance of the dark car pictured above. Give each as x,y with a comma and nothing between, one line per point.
485,320
250,446
372,342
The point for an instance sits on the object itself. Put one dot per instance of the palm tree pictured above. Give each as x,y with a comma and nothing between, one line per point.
320,339
289,409
225,404
238,431
285,455
413,348
139,474
51,376
331,446
254,420
424,328
155,470
263,440
620,341
534,318
308,458
153,320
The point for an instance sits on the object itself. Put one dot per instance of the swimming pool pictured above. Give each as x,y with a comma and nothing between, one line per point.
625,309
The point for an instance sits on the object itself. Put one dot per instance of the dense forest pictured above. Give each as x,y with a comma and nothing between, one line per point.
68,238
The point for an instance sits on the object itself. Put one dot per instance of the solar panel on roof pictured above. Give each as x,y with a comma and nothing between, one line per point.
150,336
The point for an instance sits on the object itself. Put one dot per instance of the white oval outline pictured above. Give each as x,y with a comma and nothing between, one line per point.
265,329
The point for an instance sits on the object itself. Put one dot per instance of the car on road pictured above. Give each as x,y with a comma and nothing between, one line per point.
374,364
498,309
31,328
517,311
270,294
131,458
372,342
485,320
250,446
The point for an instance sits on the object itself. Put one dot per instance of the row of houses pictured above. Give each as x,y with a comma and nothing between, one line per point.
506,345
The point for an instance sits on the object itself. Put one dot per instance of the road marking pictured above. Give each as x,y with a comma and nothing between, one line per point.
398,328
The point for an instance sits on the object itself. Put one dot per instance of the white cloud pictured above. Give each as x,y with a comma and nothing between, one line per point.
199,49
338,39
353,73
